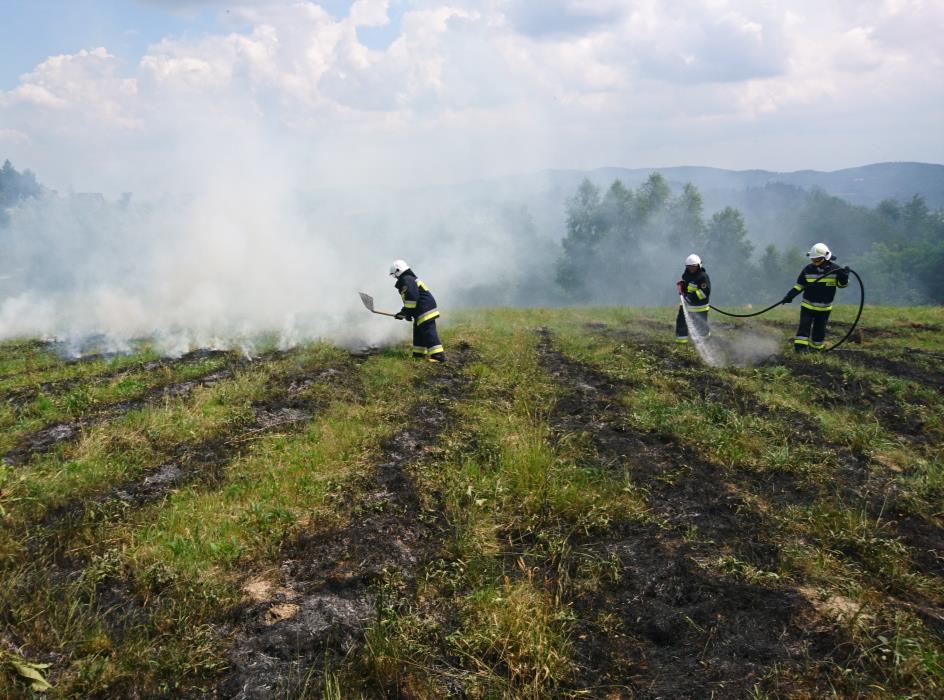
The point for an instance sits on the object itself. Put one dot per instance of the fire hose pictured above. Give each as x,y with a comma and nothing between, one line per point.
773,306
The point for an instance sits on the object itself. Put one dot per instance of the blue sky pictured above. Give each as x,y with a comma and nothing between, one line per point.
32,30
97,93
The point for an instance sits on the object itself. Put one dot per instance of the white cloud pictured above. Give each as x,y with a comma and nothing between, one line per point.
369,13
12,135
545,80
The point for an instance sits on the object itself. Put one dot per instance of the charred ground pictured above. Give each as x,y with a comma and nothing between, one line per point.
573,507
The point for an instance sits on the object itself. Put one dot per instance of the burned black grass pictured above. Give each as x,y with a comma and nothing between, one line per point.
329,580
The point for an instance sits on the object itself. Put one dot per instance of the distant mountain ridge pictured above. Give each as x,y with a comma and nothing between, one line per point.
866,185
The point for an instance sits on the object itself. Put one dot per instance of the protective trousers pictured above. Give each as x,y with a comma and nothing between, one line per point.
700,319
811,334
426,342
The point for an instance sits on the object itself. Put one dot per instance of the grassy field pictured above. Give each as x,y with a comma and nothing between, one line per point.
573,507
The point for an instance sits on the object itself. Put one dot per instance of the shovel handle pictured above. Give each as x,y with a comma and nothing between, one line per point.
384,313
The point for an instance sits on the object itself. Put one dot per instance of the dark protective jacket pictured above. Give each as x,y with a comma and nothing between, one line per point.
696,288
418,302
818,285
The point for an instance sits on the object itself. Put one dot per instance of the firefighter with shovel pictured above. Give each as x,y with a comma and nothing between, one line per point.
419,305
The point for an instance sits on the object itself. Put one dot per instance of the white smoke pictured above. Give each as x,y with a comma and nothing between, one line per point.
243,254
231,232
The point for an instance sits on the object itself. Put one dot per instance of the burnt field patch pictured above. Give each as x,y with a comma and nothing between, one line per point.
66,559
314,613
669,626
878,511
901,413
58,433
915,365
701,382
24,393
288,405
858,481
585,510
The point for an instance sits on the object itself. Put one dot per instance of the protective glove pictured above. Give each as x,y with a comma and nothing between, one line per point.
680,286
845,269
400,317
787,299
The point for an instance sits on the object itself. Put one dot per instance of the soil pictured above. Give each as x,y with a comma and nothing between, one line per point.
287,410
53,435
833,389
20,396
708,384
117,597
867,332
675,627
326,592
916,372
856,482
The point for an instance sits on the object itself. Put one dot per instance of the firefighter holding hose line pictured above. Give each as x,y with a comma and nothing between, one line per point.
695,289
818,282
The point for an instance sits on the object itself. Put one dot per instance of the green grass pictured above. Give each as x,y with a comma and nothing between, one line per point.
124,598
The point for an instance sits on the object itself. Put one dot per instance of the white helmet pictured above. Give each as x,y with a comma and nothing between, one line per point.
820,250
693,260
398,268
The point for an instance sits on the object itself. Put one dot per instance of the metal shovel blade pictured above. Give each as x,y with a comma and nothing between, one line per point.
368,301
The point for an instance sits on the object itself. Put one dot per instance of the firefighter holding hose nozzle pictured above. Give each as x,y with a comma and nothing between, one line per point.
818,282
695,289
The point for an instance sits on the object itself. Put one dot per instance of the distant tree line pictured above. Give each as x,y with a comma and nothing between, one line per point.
15,186
625,246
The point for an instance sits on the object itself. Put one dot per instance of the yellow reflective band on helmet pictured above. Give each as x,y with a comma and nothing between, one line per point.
428,316
435,349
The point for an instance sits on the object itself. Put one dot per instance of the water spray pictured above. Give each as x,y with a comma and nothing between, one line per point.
707,353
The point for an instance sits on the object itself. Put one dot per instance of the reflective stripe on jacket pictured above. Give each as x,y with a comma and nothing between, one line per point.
697,290
819,284
418,302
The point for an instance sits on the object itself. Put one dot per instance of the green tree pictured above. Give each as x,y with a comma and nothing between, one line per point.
728,256
778,270
686,220
617,213
726,237
653,196
586,227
